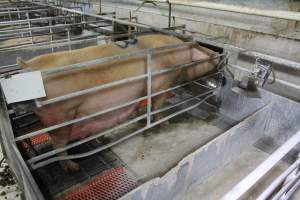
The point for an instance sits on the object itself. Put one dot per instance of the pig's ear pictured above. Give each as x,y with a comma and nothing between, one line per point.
21,62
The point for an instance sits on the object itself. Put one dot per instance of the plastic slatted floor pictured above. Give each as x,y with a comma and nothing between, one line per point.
111,185
102,176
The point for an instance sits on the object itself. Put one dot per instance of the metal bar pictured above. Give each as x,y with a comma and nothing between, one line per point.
248,182
267,192
170,14
149,86
25,45
22,11
286,187
121,21
56,151
47,27
276,60
25,173
29,27
19,8
115,83
23,21
182,102
279,14
283,82
110,58
51,128
59,158
289,194
57,42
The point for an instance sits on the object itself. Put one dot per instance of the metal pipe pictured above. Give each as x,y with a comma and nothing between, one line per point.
119,82
45,27
21,11
111,58
149,86
169,14
77,120
271,188
287,186
56,151
276,60
279,14
19,8
121,21
249,181
59,158
24,21
75,40
289,194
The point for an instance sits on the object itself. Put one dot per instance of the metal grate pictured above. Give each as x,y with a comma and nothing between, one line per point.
111,185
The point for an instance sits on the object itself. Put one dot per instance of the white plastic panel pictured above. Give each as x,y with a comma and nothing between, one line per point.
22,87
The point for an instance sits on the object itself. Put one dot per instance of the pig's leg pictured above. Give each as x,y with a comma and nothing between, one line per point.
59,137
157,104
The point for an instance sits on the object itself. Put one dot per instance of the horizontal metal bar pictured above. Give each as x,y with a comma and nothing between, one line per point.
34,35
99,149
56,151
277,60
22,11
249,181
22,30
19,8
273,59
115,83
290,193
77,120
271,188
91,90
279,14
110,58
129,23
287,186
24,21
283,82
50,44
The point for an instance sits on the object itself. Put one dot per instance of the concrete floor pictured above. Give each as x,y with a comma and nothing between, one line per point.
153,154
223,180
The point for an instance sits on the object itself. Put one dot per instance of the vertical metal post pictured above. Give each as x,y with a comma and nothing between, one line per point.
149,86
51,35
9,14
170,14
130,18
69,39
100,6
29,25
19,16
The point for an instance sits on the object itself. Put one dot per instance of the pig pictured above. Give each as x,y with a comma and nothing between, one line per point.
71,81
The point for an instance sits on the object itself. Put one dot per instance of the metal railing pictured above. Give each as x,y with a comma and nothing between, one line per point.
34,162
